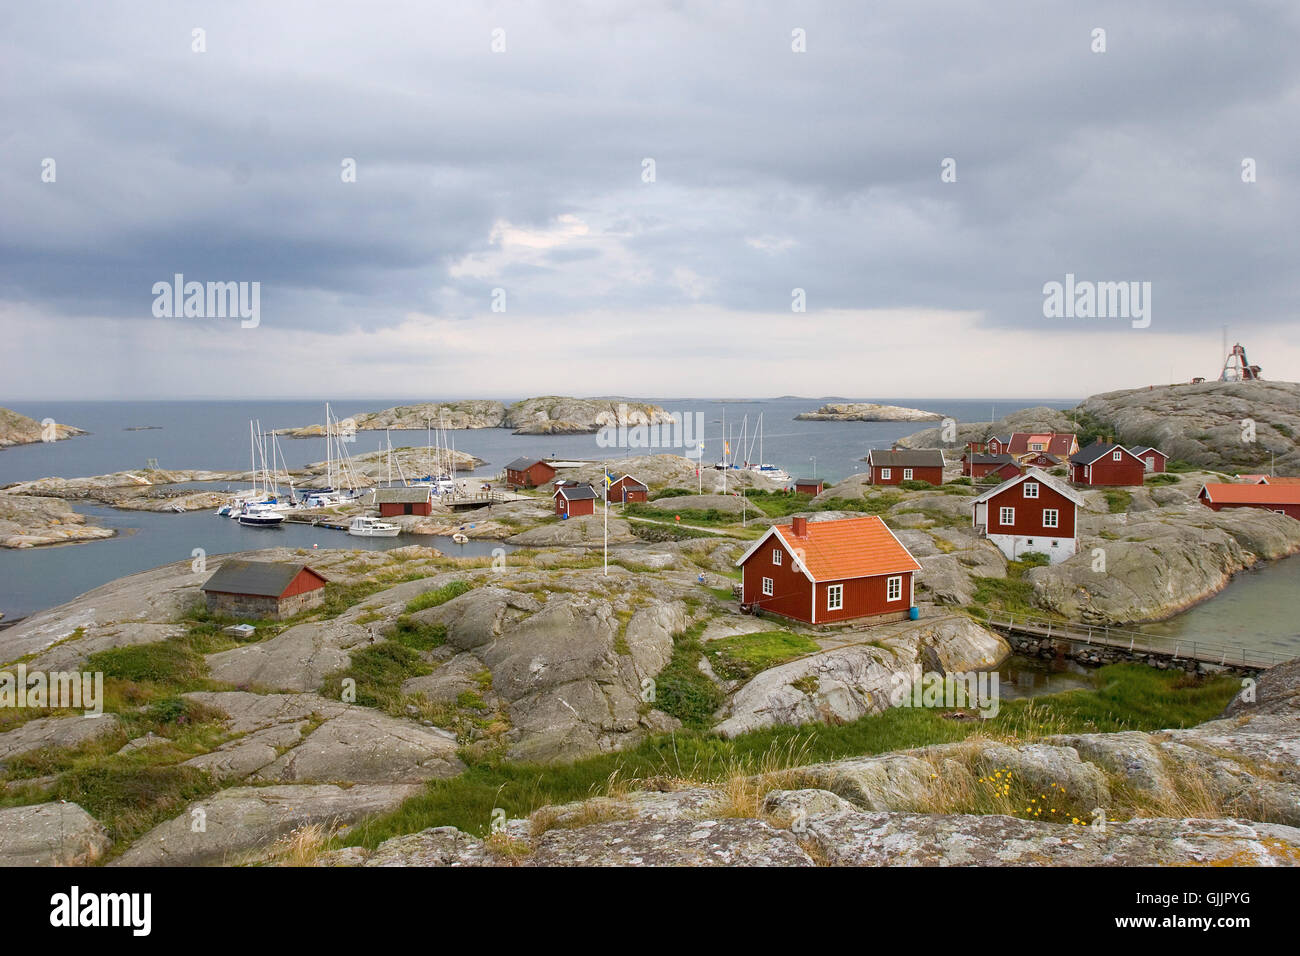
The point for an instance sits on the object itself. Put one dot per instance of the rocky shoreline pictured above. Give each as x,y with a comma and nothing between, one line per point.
18,429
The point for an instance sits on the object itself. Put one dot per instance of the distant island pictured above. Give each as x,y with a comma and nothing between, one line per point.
867,412
18,429
546,415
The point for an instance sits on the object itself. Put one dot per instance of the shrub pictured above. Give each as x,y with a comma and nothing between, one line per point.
442,595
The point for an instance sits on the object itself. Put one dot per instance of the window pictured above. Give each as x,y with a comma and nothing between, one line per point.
767,586
1037,446
1056,544
885,473
776,555
1031,489
907,474
835,597
1116,455
1029,541
1006,515
1051,518
894,588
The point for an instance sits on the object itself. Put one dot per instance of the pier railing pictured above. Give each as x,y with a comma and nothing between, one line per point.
1133,641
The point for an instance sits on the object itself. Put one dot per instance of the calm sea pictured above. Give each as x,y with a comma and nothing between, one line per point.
214,435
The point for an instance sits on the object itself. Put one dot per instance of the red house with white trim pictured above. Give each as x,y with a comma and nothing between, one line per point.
1107,464
529,472
574,501
828,572
976,465
1281,498
1033,512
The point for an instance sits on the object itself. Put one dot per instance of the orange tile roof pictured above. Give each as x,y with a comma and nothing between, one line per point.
1283,480
849,548
1237,494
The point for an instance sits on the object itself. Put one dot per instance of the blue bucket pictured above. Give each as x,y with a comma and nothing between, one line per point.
913,613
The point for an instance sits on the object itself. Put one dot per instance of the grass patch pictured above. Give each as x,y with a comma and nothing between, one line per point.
683,692
1125,697
378,671
416,636
744,655
1117,499
452,589
1162,478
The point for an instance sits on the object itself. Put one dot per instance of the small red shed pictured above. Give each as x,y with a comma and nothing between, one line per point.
263,589
809,486
415,500
1153,459
628,490
827,572
574,501
529,472
1106,464
978,466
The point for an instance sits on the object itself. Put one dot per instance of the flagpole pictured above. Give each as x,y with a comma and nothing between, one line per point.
604,474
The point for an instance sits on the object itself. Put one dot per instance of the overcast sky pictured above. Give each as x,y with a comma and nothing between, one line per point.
523,170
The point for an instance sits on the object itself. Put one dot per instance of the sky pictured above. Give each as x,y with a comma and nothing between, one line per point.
635,198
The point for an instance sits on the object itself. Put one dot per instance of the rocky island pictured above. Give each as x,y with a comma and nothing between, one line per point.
18,429
867,412
548,415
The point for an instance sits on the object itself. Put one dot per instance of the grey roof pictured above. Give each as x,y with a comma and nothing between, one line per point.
1141,450
402,496
1033,474
631,482
263,578
523,464
1086,456
907,458
809,481
978,459
575,492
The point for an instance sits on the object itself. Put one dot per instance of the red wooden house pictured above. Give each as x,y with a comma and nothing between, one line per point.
574,501
826,572
415,500
1018,444
903,464
1032,512
529,473
1282,498
1104,463
1153,459
628,490
976,465
809,486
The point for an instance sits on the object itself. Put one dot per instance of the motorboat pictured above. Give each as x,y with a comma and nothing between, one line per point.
460,537
260,515
364,527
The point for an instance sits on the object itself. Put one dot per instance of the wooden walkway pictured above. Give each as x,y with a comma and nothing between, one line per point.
1136,642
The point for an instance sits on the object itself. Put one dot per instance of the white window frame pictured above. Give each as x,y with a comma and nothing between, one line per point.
1006,516
776,556
1117,455
894,588
835,597
1031,489
1051,518
886,474
907,474
768,589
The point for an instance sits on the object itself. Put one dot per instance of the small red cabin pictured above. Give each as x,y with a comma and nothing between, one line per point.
628,490
263,589
1282,498
574,501
415,500
1107,464
809,486
1153,459
529,473
899,465
827,572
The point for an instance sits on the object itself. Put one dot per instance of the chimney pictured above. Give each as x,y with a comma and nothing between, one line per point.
801,527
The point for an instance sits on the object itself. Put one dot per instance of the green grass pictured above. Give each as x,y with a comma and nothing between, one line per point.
1125,697
442,595
416,636
744,655
1117,499
378,671
683,692
1162,479
1013,593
